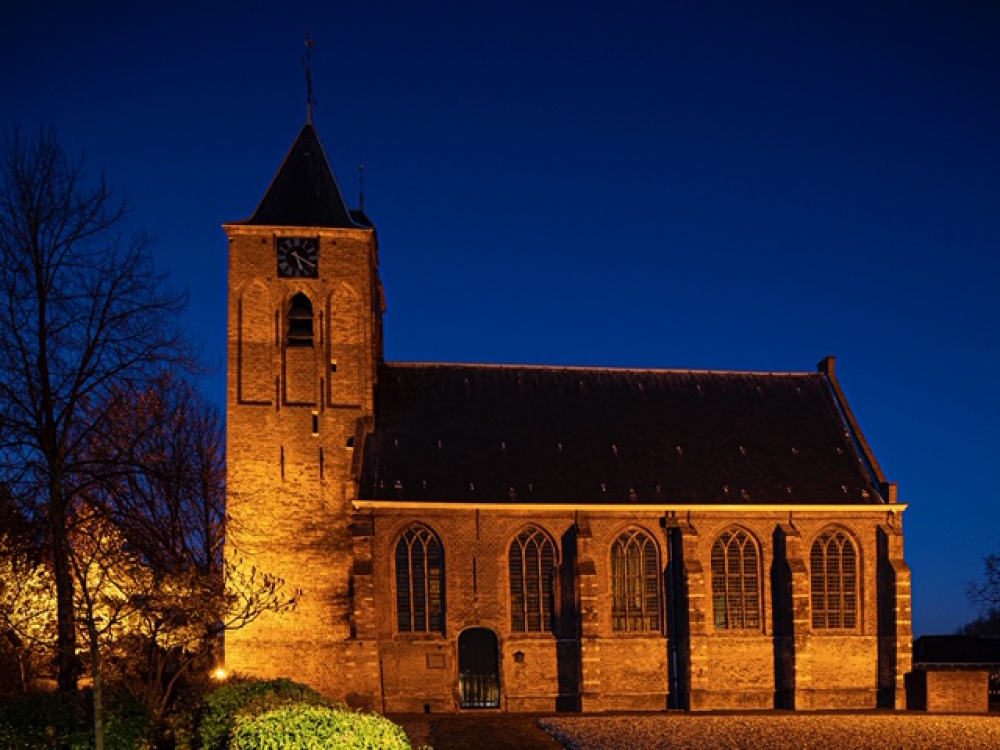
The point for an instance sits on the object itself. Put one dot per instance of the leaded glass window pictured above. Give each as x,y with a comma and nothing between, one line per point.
532,563
735,581
635,583
419,582
833,565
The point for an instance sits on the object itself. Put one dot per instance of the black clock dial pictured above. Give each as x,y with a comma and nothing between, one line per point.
298,257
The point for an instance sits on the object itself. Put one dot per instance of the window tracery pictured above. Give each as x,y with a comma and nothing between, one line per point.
532,566
635,583
419,582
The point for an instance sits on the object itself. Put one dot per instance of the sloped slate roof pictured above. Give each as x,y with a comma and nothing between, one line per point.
304,192
488,434
943,650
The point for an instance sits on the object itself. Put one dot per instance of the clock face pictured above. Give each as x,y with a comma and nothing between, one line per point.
298,257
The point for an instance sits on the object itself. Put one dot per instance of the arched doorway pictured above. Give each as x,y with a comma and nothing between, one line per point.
478,669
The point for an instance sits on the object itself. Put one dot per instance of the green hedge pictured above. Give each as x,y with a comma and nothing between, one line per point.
303,727
247,699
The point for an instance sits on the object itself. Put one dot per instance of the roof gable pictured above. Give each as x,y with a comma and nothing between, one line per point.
567,435
304,192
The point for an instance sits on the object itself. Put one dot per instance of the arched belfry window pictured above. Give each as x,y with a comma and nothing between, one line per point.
300,321
833,576
419,582
532,563
635,583
735,581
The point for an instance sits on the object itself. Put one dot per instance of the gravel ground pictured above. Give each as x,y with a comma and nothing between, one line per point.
820,731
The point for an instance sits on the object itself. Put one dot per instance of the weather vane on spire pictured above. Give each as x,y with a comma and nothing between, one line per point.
307,67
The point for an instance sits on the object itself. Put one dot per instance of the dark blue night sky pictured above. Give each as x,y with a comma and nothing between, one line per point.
722,185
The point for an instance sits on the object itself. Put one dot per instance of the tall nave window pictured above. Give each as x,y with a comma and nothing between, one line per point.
532,562
419,582
635,583
833,576
735,581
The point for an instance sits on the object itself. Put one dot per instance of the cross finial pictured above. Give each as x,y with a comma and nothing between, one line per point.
307,67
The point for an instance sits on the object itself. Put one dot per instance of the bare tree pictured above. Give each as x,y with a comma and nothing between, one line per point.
985,596
82,312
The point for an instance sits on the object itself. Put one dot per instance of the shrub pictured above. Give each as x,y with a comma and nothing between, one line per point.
179,724
303,727
45,720
61,720
248,699
127,725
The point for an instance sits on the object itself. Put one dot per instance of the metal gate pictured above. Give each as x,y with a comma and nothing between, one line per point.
478,669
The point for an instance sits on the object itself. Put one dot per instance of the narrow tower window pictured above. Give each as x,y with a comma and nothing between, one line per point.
300,321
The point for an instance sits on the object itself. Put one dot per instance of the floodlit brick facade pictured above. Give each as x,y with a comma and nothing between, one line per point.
950,691
471,537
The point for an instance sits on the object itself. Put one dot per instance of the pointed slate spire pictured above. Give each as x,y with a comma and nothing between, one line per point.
304,192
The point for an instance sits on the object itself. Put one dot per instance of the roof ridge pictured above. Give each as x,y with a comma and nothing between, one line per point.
588,368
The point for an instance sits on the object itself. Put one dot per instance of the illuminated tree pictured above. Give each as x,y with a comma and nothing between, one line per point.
163,593
112,587
27,603
82,312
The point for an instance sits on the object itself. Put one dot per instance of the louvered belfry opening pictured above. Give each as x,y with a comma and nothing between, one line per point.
300,321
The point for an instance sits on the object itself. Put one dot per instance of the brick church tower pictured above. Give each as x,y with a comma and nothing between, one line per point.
304,342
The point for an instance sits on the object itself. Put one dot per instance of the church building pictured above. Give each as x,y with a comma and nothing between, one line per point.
528,538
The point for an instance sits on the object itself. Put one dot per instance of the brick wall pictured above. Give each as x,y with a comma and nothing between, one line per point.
956,691
606,670
290,414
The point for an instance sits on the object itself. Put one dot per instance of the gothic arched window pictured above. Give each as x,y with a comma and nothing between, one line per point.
300,321
419,582
635,583
532,561
735,581
833,576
